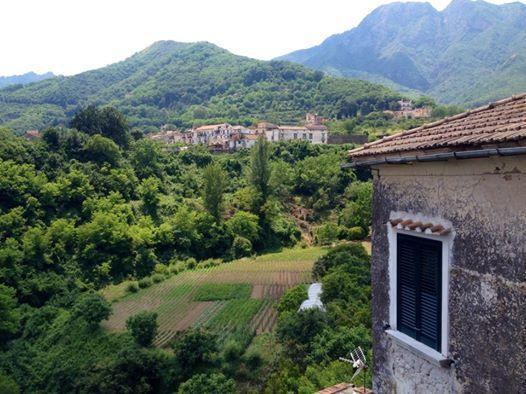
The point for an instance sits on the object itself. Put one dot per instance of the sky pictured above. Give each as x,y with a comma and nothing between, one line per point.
71,36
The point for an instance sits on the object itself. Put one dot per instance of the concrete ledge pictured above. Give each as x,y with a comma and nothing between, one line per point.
420,349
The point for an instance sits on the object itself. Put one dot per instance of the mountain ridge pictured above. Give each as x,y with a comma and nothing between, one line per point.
187,83
23,79
454,55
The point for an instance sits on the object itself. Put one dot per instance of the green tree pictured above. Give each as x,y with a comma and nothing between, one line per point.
215,383
260,169
292,299
8,312
149,193
107,121
214,178
194,352
8,385
102,150
93,308
244,224
143,327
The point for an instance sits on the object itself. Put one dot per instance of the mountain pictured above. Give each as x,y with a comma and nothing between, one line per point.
470,53
188,83
24,79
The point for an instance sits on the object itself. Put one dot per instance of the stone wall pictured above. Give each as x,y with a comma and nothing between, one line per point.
485,200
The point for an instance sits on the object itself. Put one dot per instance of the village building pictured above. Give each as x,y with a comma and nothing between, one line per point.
32,135
407,111
225,137
313,131
449,253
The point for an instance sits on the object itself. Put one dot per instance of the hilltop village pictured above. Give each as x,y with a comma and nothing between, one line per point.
226,137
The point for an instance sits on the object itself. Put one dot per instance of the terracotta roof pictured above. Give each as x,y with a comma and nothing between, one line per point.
502,122
211,127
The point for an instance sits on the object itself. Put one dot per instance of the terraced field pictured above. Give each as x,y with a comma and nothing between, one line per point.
235,300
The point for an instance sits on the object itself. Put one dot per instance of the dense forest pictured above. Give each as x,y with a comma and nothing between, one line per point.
186,84
95,204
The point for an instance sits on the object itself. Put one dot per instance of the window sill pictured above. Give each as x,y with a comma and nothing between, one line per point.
414,346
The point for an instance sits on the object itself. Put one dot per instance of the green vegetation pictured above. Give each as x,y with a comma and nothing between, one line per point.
313,339
223,291
100,232
184,84
143,327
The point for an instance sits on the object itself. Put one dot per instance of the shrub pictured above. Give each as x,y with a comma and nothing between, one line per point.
353,254
327,233
132,287
143,327
160,269
355,233
241,247
145,282
232,351
191,263
214,383
292,299
8,385
157,278
245,225
253,359
209,263
93,308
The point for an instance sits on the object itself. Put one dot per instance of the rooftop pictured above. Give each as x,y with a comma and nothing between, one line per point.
498,125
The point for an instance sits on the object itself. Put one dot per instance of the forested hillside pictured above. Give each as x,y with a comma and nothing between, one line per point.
24,79
85,208
185,84
470,53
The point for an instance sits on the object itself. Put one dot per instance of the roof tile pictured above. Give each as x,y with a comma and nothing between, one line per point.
500,122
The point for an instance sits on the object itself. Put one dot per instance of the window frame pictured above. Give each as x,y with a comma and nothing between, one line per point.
406,340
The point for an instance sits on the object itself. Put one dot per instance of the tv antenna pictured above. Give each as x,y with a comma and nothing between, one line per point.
359,362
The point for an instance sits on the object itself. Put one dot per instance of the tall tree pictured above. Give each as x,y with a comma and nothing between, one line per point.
260,169
214,188
107,121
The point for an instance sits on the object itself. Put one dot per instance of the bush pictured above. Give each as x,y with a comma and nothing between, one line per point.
8,385
241,247
132,287
160,269
327,233
93,308
292,299
215,383
191,263
158,278
145,282
209,263
232,351
253,359
352,254
143,327
355,233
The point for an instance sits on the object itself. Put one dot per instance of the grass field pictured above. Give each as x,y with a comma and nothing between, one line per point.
235,300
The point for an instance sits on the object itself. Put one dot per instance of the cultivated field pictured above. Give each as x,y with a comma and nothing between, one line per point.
235,299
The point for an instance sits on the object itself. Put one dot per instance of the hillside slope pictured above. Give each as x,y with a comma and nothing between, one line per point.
183,84
23,79
469,53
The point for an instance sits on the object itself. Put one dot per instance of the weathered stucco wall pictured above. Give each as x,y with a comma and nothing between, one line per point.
485,200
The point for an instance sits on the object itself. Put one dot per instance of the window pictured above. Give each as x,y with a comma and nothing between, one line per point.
419,289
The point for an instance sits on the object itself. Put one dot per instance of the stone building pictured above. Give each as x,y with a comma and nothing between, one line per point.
449,253
409,112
